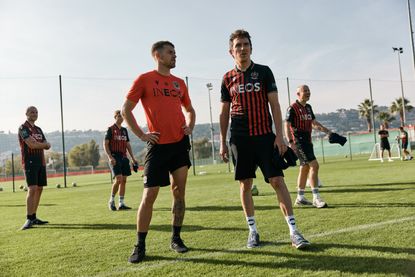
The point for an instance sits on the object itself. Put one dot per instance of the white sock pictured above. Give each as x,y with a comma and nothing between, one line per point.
316,193
251,223
291,223
112,198
121,200
300,194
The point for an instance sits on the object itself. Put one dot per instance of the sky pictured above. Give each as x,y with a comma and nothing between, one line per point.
100,46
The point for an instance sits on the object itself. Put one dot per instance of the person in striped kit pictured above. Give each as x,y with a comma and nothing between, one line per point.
246,94
116,145
32,145
299,123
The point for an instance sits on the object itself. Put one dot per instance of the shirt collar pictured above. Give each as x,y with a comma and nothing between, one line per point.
248,69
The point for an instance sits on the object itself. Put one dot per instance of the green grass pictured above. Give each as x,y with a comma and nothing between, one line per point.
368,229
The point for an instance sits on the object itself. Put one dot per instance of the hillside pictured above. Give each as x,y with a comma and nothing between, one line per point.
340,121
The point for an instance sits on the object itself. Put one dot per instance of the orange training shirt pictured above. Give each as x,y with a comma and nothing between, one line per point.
162,98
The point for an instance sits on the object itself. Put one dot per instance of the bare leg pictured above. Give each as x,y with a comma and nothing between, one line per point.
116,184
123,181
302,176
31,200
145,211
246,197
314,167
178,188
283,195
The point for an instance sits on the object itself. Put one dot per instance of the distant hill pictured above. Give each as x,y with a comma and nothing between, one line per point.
340,121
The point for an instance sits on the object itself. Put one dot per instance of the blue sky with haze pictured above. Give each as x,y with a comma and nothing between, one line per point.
99,47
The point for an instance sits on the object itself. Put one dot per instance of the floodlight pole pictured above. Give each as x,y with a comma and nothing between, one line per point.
412,34
191,137
210,87
372,111
399,52
63,133
288,91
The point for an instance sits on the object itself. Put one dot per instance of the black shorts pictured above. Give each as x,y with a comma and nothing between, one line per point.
384,145
36,175
305,152
404,145
162,159
250,152
121,167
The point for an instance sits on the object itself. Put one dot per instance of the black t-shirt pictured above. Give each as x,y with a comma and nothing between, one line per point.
384,136
248,94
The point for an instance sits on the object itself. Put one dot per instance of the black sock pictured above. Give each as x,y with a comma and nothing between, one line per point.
34,215
31,216
176,231
141,238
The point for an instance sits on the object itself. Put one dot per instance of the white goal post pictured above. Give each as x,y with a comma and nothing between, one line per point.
395,152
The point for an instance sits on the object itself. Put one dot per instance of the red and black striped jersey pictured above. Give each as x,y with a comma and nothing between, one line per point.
31,156
118,138
248,94
301,119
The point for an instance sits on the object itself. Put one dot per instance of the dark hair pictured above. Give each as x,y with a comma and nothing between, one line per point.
160,45
240,33
116,113
401,128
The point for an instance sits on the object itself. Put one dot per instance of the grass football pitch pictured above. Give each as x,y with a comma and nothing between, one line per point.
368,229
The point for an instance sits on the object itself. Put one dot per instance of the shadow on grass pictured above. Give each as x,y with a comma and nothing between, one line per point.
370,185
24,205
161,227
373,205
221,208
306,260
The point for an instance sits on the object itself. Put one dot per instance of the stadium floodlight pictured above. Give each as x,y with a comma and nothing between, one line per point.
210,88
399,51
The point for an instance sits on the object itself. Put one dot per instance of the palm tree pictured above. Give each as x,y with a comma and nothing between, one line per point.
365,111
385,118
397,107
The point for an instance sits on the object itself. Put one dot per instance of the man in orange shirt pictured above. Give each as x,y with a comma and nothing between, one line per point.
170,119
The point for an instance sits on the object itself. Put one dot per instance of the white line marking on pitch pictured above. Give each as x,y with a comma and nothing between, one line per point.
123,270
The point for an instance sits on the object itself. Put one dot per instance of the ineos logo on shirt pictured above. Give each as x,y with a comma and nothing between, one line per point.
167,92
37,137
248,87
305,117
120,137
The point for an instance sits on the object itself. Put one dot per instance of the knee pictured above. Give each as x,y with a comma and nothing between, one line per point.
277,182
245,187
315,167
177,191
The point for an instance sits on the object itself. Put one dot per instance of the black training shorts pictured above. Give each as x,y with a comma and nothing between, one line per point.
384,145
121,167
305,152
404,145
162,159
36,175
249,152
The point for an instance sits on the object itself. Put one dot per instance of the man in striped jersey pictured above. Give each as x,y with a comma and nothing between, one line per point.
116,145
32,145
299,123
246,92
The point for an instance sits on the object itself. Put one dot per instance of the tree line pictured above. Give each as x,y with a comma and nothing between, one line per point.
386,117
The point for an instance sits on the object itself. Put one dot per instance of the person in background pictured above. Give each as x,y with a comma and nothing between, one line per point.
32,145
116,145
384,143
404,144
